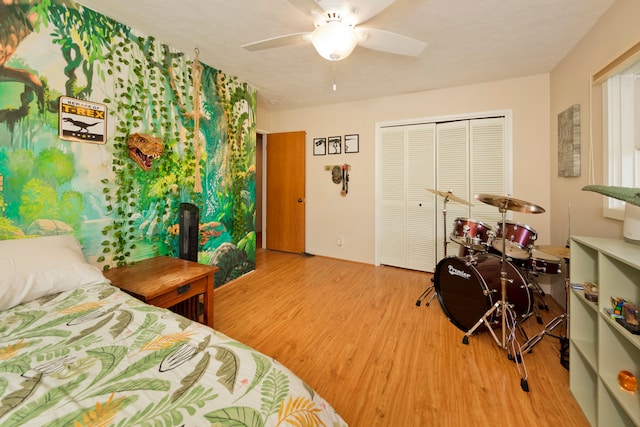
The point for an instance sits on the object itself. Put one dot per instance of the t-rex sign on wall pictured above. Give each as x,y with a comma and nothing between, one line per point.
82,121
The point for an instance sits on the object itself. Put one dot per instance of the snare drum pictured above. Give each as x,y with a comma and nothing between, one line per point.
470,234
518,239
541,262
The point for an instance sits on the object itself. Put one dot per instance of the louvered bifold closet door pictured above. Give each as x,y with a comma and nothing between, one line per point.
488,166
393,213
452,174
407,209
421,237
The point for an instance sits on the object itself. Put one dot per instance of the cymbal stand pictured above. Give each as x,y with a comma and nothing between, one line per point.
431,289
507,318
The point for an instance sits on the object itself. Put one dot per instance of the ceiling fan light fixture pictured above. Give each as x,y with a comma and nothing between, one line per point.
334,40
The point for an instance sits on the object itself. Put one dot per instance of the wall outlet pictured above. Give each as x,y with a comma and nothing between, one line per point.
339,241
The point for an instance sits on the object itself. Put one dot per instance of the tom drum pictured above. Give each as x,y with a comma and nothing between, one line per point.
518,239
470,234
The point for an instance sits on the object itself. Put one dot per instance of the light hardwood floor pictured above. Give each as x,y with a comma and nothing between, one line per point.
354,333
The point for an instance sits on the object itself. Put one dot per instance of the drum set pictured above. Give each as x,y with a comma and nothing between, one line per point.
480,249
493,280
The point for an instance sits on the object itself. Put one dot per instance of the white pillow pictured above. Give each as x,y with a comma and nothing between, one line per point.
31,268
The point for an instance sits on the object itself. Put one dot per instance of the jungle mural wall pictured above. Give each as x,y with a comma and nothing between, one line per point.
116,179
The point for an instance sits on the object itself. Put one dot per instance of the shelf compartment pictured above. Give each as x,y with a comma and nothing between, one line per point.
622,281
584,328
589,304
624,333
618,351
584,262
611,412
583,385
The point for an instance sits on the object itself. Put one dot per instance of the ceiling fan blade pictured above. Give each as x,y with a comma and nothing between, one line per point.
386,41
278,41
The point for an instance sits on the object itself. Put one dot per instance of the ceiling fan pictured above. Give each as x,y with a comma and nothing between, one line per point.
337,30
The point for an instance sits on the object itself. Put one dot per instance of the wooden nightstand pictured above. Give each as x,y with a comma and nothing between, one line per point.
168,282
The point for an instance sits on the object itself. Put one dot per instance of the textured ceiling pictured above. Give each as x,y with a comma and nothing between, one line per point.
468,41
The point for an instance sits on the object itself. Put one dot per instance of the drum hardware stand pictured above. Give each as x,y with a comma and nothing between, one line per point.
423,295
508,343
471,258
564,340
431,289
563,320
503,204
543,305
502,303
532,283
556,321
539,292
533,275
522,370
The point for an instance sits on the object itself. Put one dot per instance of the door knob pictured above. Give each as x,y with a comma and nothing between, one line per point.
300,200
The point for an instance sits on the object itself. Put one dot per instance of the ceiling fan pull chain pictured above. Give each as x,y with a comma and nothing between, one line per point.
334,87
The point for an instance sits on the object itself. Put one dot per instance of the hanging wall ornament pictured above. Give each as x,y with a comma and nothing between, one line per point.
345,180
196,74
336,174
340,175
144,149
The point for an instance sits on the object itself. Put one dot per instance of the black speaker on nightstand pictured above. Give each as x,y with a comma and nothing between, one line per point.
189,219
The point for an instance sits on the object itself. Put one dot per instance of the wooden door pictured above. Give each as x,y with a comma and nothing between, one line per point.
285,230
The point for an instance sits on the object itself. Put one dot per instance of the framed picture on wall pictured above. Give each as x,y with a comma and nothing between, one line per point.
569,142
319,146
351,143
334,145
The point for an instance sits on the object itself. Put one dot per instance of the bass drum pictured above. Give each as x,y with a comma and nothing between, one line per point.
467,291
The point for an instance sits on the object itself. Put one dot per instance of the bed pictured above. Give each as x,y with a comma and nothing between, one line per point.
77,351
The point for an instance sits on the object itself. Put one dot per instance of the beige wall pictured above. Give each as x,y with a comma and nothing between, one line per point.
614,33
352,217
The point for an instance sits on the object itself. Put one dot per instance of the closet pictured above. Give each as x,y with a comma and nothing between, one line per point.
467,157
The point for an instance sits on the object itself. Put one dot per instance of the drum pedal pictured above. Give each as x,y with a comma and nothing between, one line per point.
425,294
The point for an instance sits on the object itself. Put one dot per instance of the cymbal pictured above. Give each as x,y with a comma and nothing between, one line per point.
509,203
450,196
559,251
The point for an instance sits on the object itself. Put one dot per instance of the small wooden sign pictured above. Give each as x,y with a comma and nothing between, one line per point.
82,121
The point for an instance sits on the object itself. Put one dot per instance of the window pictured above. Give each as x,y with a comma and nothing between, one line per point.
621,129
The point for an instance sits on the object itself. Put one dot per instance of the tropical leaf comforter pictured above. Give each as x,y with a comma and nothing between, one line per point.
94,356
